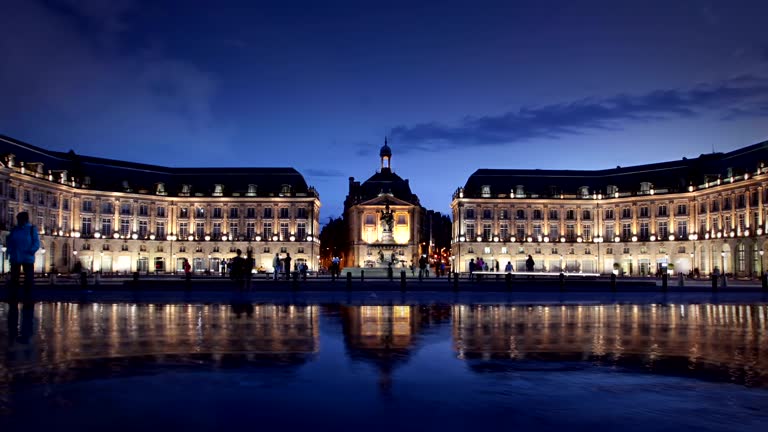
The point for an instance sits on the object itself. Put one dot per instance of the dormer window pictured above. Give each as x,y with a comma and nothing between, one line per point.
612,190
160,189
645,188
126,186
86,181
584,192
185,190
218,190
251,190
285,190
485,191
519,191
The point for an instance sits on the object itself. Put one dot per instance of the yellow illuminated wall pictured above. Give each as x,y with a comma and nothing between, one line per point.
402,231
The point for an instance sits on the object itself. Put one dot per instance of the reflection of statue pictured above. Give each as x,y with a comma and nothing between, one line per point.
387,218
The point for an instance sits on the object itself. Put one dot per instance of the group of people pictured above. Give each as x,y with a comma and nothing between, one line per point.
481,265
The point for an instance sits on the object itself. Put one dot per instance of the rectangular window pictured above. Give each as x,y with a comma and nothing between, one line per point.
234,213
520,231
682,229
586,232
537,214
487,232
12,192
570,215
504,231
234,229
267,230
199,212
503,214
283,231
65,204
106,227
199,230
662,230
682,209
160,230
537,231
609,213
401,220
644,212
553,214
217,213
85,227
644,231
87,206
267,212
216,233
554,231
160,211
65,223
487,214
301,213
143,210
727,203
40,198
715,205
610,232
301,231
586,215
183,230
125,227
54,201
143,228
626,213
27,196
626,231
250,229
184,212
662,209
570,232
125,209
742,222
470,230
284,213
107,208
470,213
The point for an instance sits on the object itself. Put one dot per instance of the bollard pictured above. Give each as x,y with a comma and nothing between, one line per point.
664,277
764,280
562,280
713,278
402,280
508,280
613,282
725,282
349,280
680,280
455,281
362,275
53,279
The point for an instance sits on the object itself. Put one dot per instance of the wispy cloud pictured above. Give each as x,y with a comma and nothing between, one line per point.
737,97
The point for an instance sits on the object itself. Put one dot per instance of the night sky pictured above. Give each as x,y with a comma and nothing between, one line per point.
316,85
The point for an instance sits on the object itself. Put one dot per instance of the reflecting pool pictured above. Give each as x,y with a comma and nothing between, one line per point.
405,367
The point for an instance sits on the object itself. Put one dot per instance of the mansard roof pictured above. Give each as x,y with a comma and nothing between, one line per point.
383,182
122,176
670,177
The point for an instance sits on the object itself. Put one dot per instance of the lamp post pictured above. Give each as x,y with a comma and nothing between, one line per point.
74,252
5,249
761,252
722,262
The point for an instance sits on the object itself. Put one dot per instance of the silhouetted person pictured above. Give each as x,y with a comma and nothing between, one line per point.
22,242
248,265
529,264
287,265
238,266
276,265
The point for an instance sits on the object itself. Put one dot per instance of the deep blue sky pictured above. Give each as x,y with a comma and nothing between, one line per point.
317,85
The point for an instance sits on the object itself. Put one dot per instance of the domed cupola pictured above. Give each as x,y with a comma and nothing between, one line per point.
386,155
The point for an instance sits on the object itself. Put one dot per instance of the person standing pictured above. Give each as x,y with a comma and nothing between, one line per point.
22,242
187,271
238,265
248,265
276,265
287,264
508,268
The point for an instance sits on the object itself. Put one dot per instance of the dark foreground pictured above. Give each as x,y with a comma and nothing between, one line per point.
383,360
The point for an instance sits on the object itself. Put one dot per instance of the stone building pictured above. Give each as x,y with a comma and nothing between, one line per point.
116,216
704,213
373,243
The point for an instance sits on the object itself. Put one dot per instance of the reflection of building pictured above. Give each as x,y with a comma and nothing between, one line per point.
693,336
70,338
371,243
700,213
123,216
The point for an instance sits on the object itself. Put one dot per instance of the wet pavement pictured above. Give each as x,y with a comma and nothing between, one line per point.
384,361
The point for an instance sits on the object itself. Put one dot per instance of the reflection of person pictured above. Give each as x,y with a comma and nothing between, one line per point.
27,322
22,242
287,262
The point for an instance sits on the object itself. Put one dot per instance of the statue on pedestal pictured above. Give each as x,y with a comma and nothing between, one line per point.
387,224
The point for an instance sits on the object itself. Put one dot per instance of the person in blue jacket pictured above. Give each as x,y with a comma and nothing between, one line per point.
22,242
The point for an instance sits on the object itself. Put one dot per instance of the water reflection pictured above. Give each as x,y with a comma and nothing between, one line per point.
71,341
705,340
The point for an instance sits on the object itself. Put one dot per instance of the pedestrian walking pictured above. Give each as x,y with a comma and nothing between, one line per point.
22,242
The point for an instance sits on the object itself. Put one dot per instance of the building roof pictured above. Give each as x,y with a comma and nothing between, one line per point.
121,176
671,177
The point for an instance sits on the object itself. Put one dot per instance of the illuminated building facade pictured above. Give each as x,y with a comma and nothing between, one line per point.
372,244
706,213
116,216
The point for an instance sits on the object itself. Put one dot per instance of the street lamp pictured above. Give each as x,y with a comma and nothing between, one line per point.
5,249
171,238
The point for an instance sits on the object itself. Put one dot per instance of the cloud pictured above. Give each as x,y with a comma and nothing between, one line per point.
737,97
64,70
318,172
